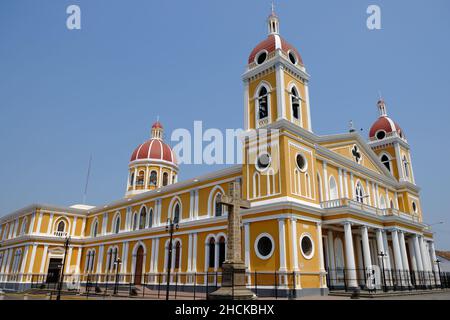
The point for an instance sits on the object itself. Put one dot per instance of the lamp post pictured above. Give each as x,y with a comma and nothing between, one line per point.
171,226
117,263
381,255
61,280
438,262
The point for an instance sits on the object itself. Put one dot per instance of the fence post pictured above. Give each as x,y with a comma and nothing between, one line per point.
195,283
159,284
276,285
176,285
256,283
294,284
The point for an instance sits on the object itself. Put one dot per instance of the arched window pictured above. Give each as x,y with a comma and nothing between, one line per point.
212,252
142,218
24,226
117,224
90,259
406,166
271,181
333,189
165,178
319,187
135,222
153,178
176,213
308,185
391,204
150,218
386,161
140,178
295,104
177,255
256,185
221,251
132,179
61,226
218,207
94,228
359,192
263,105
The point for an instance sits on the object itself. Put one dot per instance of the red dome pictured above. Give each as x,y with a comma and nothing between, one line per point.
273,42
157,124
153,149
385,124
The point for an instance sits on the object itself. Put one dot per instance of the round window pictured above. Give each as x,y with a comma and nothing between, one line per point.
307,246
263,161
301,162
292,57
261,57
381,135
264,246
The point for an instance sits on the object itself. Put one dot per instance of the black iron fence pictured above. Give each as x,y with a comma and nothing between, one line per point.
386,280
198,285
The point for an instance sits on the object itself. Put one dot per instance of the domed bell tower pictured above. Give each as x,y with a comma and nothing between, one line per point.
152,165
276,82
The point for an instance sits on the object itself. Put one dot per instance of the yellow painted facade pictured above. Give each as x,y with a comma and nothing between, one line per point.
302,202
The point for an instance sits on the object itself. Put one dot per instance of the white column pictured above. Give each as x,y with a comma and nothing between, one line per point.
194,253
246,105
282,241
425,258
294,243
352,184
404,253
100,259
418,253
397,252
435,265
331,263
281,103
366,247
247,245
350,256
412,253
308,107
44,259
323,283
69,258
388,257
30,227
341,184
33,256
345,184
50,223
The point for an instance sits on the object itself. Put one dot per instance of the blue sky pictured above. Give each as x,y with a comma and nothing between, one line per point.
67,94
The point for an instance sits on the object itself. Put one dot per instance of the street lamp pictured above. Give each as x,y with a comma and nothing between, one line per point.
61,280
117,263
171,226
438,262
382,255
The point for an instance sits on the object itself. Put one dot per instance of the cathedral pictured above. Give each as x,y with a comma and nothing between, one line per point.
324,209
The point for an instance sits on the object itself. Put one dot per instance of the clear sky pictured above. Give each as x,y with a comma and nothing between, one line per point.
67,94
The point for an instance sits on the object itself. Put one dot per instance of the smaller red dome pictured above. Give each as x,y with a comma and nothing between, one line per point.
386,124
154,149
156,125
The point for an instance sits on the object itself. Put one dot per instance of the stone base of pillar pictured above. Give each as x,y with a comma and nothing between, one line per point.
233,284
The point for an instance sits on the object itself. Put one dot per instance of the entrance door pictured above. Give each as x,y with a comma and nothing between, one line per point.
54,270
139,262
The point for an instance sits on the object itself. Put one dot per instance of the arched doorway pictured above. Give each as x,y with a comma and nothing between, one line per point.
139,263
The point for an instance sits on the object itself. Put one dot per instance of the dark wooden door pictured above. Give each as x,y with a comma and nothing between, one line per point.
54,270
139,263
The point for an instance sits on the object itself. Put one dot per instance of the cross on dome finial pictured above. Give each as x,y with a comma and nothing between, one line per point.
381,106
273,22
157,130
